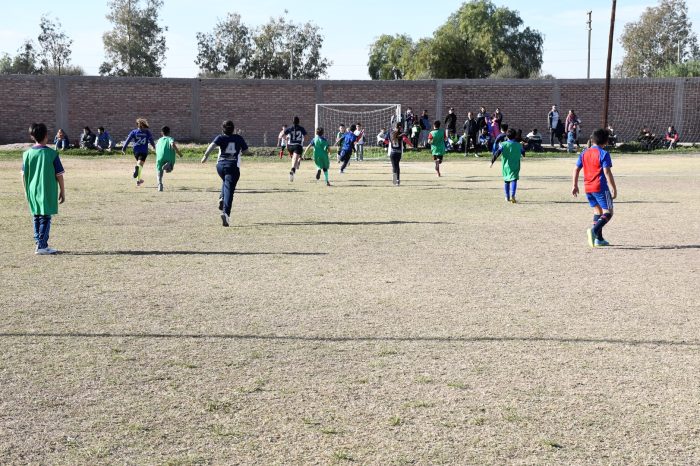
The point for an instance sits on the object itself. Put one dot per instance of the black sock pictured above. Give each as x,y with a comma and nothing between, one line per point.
602,221
596,217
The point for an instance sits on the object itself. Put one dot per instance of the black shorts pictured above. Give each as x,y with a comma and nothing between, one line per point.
295,149
438,158
141,157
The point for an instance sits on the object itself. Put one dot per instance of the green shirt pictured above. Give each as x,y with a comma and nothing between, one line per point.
438,145
164,149
320,147
511,152
40,166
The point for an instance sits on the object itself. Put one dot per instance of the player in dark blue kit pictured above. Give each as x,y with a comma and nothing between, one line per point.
295,146
346,143
142,137
231,146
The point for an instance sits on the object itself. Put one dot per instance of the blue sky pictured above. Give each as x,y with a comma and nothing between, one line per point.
561,22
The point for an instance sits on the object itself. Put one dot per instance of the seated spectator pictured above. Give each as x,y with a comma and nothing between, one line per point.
671,138
382,138
485,141
87,140
61,140
646,138
104,140
612,137
533,141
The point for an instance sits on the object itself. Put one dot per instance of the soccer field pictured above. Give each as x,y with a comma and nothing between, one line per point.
431,323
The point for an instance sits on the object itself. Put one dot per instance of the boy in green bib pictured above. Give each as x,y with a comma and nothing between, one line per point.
165,155
42,176
436,139
321,149
511,151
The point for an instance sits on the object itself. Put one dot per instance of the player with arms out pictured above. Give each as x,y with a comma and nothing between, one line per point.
397,143
436,139
321,149
231,146
296,135
142,138
597,173
510,151
165,155
347,145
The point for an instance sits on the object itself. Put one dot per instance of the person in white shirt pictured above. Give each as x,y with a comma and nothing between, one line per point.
360,143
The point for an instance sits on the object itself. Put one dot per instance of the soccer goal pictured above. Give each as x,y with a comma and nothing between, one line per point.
374,119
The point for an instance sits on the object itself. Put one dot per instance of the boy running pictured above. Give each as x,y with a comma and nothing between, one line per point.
228,166
347,144
436,139
597,164
42,177
165,155
296,135
142,138
323,163
511,152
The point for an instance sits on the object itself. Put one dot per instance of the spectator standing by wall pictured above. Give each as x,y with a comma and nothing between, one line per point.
471,132
451,122
554,123
425,127
573,123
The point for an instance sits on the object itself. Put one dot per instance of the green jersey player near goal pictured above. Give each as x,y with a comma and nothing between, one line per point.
436,139
321,148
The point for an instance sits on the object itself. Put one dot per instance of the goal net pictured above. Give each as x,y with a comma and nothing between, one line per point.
374,118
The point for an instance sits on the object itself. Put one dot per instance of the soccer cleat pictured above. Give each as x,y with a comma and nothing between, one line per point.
398,182
342,171
591,237
136,171
600,243
513,200
395,178
477,155
221,203
507,199
318,175
160,187
139,182
45,251
328,183
225,219
291,176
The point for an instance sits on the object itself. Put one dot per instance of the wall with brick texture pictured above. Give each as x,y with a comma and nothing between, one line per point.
195,108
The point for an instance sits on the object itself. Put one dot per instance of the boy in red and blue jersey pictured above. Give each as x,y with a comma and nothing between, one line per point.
597,174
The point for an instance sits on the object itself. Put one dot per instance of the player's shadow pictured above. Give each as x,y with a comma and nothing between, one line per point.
350,223
241,191
360,338
662,247
188,253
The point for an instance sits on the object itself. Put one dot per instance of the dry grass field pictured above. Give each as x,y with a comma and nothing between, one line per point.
359,324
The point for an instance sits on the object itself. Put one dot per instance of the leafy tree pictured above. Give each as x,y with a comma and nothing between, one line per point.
689,69
272,50
54,46
654,43
25,62
136,44
225,51
477,41
389,52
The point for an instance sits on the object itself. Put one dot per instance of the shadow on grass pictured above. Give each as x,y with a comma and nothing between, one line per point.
187,253
662,247
239,191
583,201
341,223
292,338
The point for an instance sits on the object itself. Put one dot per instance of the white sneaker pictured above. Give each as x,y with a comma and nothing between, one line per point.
45,251
225,219
291,176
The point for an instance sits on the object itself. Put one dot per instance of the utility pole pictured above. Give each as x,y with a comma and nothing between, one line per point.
679,51
590,22
291,61
606,102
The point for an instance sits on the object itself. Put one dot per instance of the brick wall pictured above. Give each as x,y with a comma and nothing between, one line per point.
195,108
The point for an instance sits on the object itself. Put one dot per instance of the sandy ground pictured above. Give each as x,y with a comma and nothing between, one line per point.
427,324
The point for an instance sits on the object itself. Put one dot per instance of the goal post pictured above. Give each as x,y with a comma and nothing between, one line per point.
373,118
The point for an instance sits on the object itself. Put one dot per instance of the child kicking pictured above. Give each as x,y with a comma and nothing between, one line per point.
165,155
142,138
511,152
321,148
597,173
42,176
436,139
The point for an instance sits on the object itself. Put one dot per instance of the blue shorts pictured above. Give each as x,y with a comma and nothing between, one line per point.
602,199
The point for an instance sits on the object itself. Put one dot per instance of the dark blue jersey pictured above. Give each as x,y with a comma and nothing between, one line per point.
142,138
349,141
296,135
230,147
